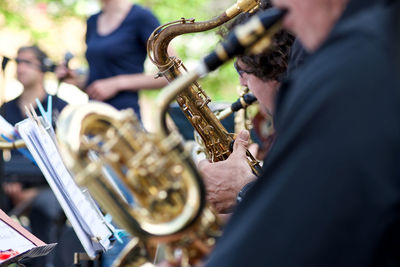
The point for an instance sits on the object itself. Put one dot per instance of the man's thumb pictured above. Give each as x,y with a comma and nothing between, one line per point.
241,141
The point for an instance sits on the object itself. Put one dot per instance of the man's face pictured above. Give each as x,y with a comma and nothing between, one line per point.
311,20
264,91
28,69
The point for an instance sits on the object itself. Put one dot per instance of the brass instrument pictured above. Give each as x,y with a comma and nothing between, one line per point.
241,118
7,146
193,101
169,196
13,145
241,121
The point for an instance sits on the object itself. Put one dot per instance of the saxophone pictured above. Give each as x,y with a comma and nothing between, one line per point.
194,101
99,143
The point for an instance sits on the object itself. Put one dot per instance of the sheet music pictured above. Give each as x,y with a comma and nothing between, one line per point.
11,239
85,218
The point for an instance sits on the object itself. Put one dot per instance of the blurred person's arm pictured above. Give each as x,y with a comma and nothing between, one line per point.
104,89
17,193
71,76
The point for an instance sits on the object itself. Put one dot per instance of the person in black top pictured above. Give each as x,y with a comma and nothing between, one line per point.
25,185
330,192
116,39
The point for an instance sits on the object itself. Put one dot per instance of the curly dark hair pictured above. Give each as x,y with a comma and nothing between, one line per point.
272,63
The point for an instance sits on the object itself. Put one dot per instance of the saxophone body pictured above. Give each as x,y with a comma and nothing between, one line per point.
193,101
98,142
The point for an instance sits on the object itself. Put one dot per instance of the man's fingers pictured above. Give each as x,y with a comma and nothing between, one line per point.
241,142
253,148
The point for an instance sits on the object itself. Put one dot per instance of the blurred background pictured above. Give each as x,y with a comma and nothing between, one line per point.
59,26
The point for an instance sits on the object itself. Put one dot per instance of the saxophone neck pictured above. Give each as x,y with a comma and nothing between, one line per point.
159,40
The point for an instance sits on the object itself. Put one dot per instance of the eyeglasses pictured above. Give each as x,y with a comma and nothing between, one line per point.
18,60
241,71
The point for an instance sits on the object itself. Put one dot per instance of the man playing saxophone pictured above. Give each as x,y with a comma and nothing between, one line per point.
261,74
329,195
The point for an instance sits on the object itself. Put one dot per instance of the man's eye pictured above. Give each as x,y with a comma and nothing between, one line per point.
23,61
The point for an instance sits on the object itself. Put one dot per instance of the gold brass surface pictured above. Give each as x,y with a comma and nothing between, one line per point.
168,206
13,145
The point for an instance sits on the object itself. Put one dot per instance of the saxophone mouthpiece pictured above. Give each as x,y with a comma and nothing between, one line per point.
244,37
243,102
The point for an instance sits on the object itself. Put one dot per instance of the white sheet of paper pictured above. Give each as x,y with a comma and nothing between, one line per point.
12,239
87,222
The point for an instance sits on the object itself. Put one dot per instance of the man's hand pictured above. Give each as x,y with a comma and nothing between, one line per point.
69,76
224,179
17,194
12,189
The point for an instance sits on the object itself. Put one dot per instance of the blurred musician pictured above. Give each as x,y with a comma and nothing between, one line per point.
26,186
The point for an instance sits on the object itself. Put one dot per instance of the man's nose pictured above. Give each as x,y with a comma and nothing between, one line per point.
243,81
21,67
